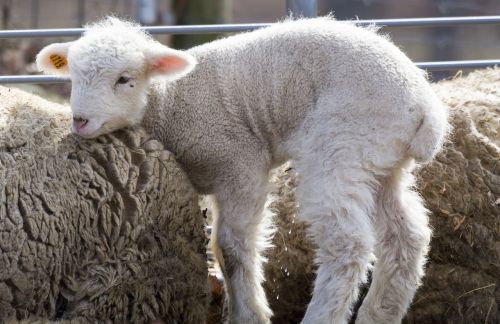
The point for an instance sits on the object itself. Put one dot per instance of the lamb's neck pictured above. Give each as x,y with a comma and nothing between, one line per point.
158,101
173,121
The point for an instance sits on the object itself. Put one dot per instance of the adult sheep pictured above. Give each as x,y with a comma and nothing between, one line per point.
345,105
94,231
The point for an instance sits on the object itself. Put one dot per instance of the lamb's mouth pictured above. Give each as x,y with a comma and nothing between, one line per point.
86,128
93,128
79,123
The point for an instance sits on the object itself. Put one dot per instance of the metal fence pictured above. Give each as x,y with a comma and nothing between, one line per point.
300,7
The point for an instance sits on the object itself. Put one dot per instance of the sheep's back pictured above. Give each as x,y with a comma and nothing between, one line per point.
105,229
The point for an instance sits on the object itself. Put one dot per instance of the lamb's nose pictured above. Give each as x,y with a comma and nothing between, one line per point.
79,122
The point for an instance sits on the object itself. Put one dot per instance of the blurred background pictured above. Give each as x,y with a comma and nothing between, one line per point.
419,43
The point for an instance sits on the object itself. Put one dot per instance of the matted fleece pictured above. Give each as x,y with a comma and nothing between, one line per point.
462,190
104,230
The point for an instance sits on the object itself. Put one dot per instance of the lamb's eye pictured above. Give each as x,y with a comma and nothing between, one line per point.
123,80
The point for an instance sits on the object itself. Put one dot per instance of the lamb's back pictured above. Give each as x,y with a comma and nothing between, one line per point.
279,72
255,88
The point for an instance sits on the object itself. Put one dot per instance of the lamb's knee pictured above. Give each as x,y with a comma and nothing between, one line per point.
226,252
418,246
242,270
343,263
415,231
345,240
419,237
401,217
401,259
347,254
238,252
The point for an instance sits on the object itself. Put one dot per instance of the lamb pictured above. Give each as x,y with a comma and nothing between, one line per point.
94,231
343,104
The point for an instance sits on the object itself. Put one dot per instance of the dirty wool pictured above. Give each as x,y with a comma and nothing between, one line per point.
94,230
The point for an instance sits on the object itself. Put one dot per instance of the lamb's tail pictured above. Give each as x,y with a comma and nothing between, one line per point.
432,130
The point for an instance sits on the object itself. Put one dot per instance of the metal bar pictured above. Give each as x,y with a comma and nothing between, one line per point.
457,65
204,29
430,66
192,29
13,79
302,8
432,22
232,28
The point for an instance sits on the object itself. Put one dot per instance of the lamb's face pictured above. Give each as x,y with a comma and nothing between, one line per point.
109,86
110,75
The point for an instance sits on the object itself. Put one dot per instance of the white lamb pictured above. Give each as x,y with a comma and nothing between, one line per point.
344,104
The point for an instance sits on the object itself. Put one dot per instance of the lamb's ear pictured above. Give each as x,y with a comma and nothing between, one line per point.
53,59
168,62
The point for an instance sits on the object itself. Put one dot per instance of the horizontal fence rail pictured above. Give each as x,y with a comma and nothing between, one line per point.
16,79
456,65
429,66
231,28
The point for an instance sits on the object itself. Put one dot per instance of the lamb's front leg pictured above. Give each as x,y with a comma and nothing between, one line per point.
241,233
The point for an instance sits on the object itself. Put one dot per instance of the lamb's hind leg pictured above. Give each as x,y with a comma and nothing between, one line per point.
403,237
337,202
241,235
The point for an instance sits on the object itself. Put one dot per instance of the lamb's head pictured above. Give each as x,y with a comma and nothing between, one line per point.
110,68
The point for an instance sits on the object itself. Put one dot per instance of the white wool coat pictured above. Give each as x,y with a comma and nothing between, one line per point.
251,94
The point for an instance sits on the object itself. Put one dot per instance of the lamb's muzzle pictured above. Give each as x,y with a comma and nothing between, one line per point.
79,123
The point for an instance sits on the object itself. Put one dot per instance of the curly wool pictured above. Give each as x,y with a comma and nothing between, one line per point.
461,188
94,230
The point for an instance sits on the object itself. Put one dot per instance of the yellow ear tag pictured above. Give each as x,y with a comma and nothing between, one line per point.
58,61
